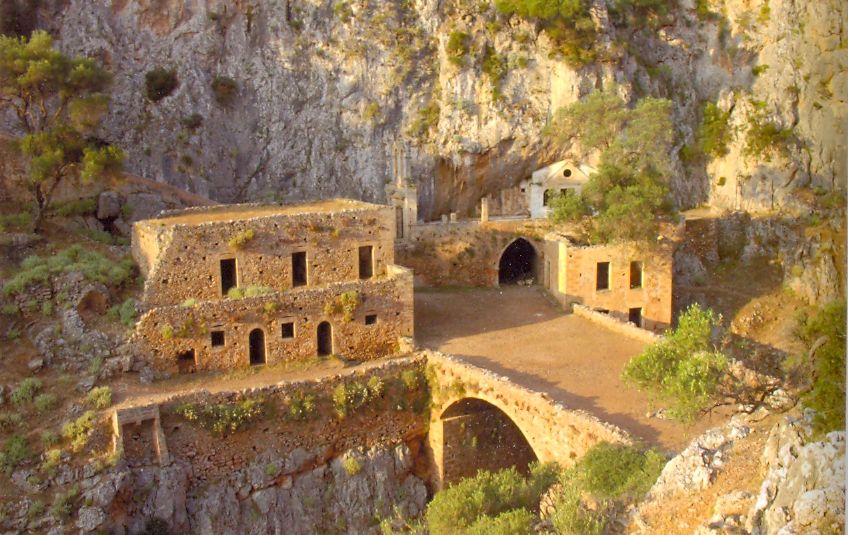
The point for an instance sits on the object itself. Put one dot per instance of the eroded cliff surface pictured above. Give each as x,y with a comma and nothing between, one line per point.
327,88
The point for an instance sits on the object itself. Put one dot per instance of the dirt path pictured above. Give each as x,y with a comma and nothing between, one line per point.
517,332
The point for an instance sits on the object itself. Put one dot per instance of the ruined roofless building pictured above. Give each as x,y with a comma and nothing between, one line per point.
236,285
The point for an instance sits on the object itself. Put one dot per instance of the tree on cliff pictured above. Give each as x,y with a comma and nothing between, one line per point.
58,103
630,189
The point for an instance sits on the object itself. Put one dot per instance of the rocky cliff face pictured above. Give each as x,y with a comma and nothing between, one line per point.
327,88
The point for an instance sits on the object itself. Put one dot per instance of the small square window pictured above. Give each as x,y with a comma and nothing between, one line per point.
287,329
217,338
370,319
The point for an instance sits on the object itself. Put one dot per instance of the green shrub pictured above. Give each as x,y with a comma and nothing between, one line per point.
827,391
351,465
757,70
36,509
225,90
63,503
371,112
193,121
344,304
15,451
684,368
25,391
715,133
411,379
160,82
49,439
249,291
608,474
567,207
471,500
426,119
514,522
301,406
241,239
10,309
224,418
78,207
496,67
342,10
10,420
126,313
45,402
52,460
79,430
94,266
457,47
348,397
16,221
568,24
100,397
764,138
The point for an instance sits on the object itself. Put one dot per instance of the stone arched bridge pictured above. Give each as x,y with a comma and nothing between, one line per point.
481,420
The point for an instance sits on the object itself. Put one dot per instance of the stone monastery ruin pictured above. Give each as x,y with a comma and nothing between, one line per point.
233,286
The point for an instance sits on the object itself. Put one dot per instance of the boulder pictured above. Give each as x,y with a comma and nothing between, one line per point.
108,206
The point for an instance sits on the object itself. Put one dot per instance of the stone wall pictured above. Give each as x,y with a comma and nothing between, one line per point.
574,278
464,253
165,332
554,432
396,415
180,253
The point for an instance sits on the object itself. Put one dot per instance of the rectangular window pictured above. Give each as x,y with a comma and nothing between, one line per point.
370,319
634,316
287,329
603,279
299,269
635,274
217,338
366,262
228,275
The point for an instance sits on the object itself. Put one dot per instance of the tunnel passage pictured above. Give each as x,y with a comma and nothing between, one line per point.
517,263
480,436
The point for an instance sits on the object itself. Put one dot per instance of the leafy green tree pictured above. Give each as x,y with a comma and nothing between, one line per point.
824,334
630,189
684,368
58,102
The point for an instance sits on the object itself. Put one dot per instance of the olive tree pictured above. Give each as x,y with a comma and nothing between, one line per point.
58,102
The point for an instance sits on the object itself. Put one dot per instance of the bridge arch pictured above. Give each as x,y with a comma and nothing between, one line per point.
518,261
479,435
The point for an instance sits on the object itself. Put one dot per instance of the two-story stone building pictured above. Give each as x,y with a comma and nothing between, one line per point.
237,285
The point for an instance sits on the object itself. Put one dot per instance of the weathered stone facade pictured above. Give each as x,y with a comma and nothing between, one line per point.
465,253
632,282
342,295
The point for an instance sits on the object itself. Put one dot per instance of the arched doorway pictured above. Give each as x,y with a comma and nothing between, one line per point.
517,263
479,436
256,341
325,339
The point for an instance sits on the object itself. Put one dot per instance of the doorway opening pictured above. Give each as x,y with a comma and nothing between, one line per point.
256,341
325,339
518,263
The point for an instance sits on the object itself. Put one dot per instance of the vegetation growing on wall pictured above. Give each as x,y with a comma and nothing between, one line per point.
58,102
344,304
160,82
684,368
715,132
225,90
632,180
566,22
764,138
824,334
457,47
224,418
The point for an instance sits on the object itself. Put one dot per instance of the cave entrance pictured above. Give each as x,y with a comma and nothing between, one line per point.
256,341
325,339
518,263
186,362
